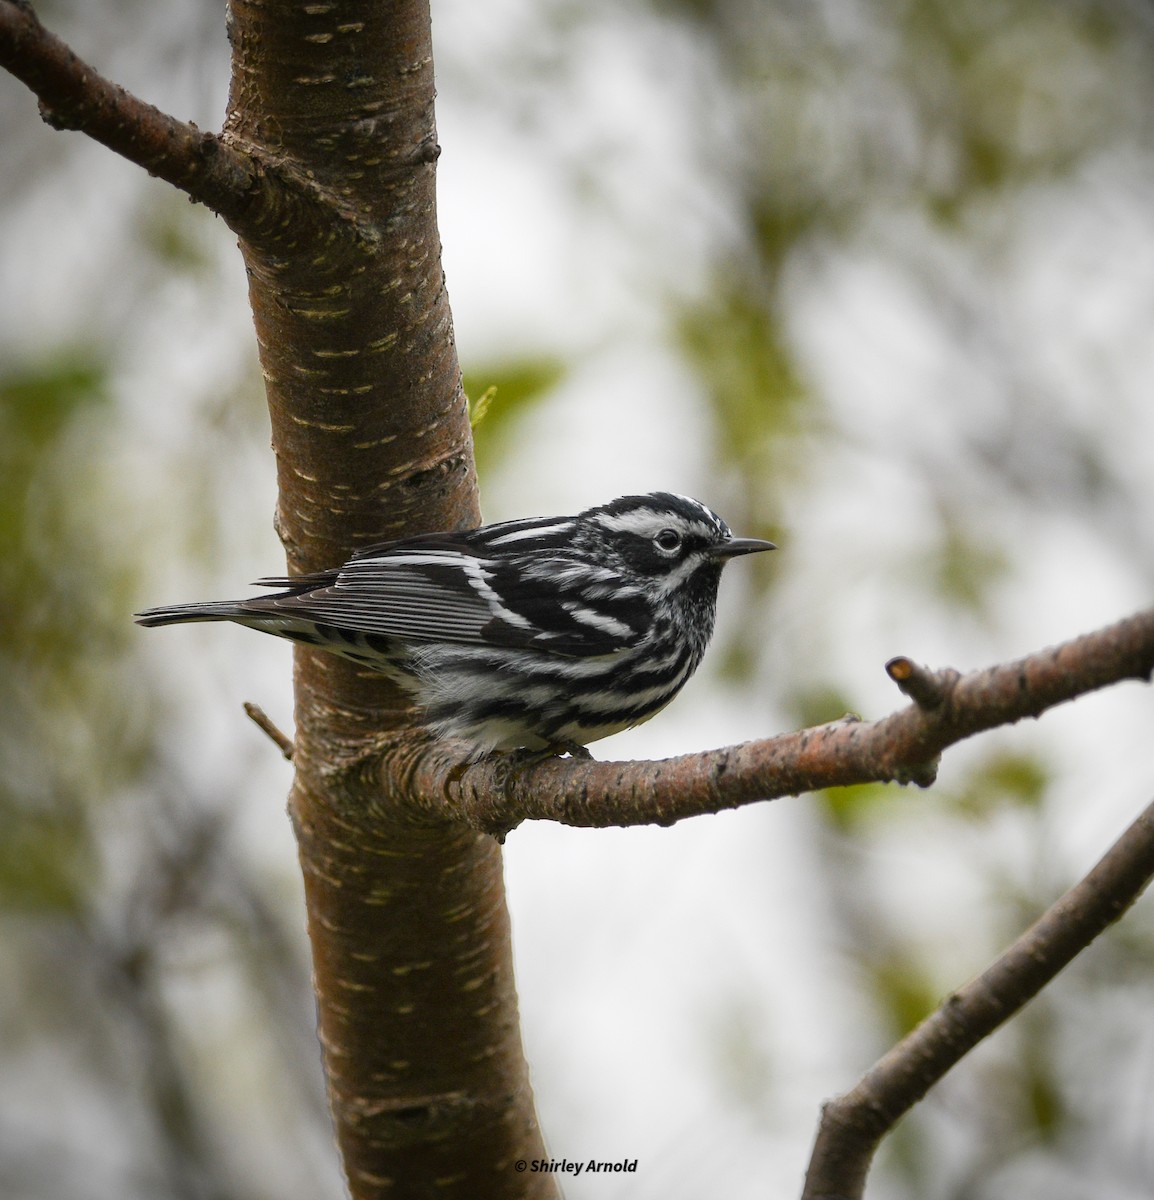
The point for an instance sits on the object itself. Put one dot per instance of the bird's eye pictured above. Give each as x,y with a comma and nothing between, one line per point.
668,540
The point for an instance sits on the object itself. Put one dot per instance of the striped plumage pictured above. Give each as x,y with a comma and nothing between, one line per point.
545,633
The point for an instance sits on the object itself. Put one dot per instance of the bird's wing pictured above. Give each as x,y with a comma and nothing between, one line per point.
434,593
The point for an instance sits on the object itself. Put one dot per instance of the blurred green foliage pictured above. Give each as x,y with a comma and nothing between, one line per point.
758,402
964,567
168,236
1003,779
48,630
848,808
500,394
902,988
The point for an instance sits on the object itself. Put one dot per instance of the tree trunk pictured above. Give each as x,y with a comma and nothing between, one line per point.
407,917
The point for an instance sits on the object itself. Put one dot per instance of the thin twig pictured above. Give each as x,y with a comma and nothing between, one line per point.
853,1125
260,718
926,688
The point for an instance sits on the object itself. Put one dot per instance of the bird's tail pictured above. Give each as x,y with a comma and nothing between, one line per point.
173,614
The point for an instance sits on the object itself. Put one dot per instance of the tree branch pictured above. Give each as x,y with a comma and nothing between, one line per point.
259,199
496,794
853,1125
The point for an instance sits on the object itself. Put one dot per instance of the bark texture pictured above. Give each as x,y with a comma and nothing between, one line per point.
413,969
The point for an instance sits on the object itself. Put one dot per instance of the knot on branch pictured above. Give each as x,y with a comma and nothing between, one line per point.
428,151
923,774
436,781
370,780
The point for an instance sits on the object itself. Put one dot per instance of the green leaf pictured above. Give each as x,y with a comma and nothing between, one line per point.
504,393
479,408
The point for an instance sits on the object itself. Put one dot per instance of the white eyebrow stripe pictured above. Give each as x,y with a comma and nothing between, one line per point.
640,523
646,523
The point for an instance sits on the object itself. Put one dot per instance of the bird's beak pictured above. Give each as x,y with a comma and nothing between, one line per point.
736,546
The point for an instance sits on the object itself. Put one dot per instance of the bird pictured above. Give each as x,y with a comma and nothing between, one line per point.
541,634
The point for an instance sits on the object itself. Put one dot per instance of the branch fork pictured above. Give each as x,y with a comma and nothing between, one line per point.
262,198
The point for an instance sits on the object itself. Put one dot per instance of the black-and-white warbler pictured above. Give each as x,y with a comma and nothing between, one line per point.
545,633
